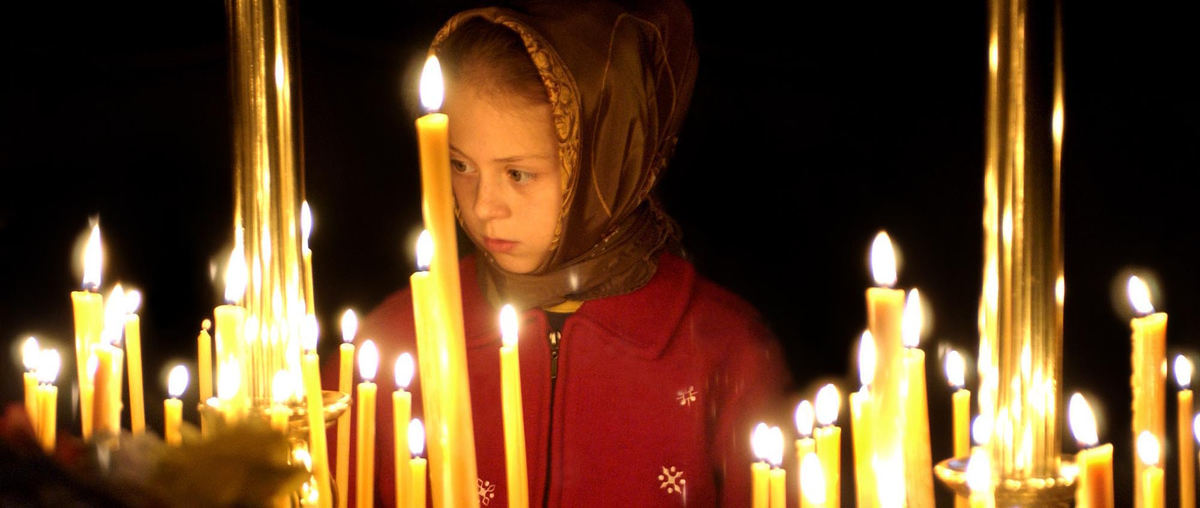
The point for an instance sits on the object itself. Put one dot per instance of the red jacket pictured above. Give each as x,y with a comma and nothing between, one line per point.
655,397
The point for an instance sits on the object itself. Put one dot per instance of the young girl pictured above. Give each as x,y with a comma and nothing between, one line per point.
641,380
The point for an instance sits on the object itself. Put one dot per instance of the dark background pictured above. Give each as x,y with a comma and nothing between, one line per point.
812,127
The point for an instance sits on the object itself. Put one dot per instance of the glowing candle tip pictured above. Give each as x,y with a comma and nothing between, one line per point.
177,381
305,222
508,325
1148,448
424,250
133,301
404,370
368,360
49,363
93,259
955,369
828,402
866,358
804,418
349,326
431,84
775,446
416,437
759,441
1183,371
29,353
883,260
913,320
1082,420
1139,295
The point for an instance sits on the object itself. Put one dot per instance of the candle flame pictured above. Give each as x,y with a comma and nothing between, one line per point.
866,358
177,381
1083,422
306,222
1139,295
981,430
979,471
93,258
883,260
828,402
29,353
956,369
759,440
403,370
283,385
309,332
812,479
424,250
1183,372
114,316
416,437
230,381
368,360
431,84
774,446
49,362
349,326
913,320
1148,449
508,325
133,301
235,274
804,419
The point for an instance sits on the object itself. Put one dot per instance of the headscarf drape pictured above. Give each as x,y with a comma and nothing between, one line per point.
619,77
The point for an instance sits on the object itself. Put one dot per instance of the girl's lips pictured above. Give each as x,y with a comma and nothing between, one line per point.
497,245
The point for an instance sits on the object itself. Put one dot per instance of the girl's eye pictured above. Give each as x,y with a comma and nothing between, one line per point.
458,166
519,176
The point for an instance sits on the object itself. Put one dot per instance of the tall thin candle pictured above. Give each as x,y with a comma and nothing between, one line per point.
364,471
29,358
885,308
1149,374
401,413
88,309
306,224
759,470
813,484
829,444
310,367
918,467
777,475
514,414
177,382
1149,453
955,374
416,442
106,410
47,394
1187,470
345,377
1094,487
204,362
861,425
133,350
805,418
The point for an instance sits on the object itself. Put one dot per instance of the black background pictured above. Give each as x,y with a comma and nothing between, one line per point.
812,127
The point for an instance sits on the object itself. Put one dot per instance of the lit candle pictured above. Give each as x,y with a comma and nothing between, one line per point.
1196,431
282,388
231,317
310,368
437,199
49,363
918,462
401,412
229,385
813,482
422,300
30,354
1094,486
106,410
805,418
177,382
759,470
306,255
885,309
364,470
979,479
204,360
829,443
133,350
1149,380
345,375
88,307
514,415
861,430
1152,477
1187,472
416,466
955,374
87,391
778,476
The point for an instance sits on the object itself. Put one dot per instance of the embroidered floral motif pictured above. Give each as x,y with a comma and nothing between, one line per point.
671,480
486,490
686,397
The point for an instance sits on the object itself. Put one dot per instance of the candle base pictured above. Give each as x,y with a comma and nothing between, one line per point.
1040,492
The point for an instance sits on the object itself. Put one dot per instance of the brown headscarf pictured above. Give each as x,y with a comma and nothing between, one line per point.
619,77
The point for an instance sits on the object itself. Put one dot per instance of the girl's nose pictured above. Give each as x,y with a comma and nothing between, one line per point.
489,199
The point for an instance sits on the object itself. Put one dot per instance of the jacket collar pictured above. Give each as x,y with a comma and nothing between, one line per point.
643,320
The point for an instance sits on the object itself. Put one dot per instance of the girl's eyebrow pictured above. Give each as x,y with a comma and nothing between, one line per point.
510,158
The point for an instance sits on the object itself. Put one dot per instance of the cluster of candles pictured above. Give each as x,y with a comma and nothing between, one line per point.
892,374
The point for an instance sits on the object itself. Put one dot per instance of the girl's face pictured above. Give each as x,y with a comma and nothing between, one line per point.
505,167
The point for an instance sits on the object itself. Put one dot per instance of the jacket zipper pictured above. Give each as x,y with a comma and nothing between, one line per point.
554,338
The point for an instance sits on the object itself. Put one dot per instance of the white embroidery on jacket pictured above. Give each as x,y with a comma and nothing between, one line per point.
487,491
686,397
672,481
